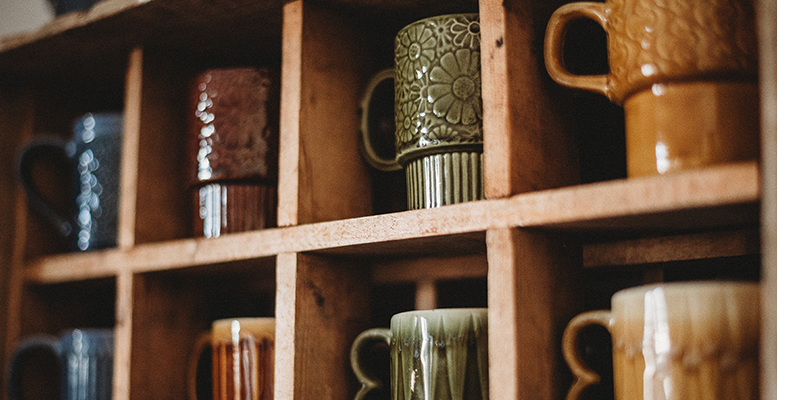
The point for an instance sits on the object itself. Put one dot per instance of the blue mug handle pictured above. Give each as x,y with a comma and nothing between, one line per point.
25,348
25,162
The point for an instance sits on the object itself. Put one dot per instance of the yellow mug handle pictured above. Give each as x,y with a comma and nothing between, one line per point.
554,45
584,377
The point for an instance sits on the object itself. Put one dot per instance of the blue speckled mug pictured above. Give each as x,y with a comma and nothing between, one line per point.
94,157
85,358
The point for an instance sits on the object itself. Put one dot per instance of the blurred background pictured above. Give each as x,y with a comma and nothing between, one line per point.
19,16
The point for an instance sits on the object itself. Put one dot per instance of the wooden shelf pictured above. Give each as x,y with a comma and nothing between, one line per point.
729,197
561,230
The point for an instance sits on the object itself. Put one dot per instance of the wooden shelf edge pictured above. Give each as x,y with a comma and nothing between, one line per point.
612,205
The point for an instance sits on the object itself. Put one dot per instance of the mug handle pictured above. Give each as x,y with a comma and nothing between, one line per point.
366,337
584,377
24,349
202,341
25,162
370,155
554,45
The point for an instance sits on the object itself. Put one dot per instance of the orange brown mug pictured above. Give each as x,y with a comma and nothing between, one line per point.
243,357
685,72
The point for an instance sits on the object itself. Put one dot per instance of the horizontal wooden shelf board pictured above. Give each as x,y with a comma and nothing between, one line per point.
672,248
677,201
97,41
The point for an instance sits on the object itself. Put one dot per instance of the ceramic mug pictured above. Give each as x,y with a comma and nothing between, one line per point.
684,71
86,361
243,359
691,340
94,157
438,111
435,354
233,150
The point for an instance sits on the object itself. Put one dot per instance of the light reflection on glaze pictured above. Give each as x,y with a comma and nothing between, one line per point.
213,209
88,199
208,134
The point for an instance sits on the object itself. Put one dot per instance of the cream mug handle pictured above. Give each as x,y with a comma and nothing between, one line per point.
584,377
202,341
554,45
370,155
368,336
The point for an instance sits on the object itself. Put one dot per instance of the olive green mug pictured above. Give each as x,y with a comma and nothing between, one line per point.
438,111
435,354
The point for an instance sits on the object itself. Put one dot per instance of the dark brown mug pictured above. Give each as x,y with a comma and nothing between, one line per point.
233,150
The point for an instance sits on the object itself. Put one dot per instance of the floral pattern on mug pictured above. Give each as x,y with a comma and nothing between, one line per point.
456,87
438,82
416,49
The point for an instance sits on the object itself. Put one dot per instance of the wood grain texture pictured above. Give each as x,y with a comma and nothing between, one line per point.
162,199
289,142
672,248
129,159
534,289
725,195
527,144
331,308
123,336
332,179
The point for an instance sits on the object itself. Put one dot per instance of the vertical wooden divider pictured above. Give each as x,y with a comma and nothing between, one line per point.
533,279
129,163
527,144
126,233
123,336
534,289
321,303
322,175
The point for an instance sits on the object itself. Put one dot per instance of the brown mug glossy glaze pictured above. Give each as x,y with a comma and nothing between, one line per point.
233,149
243,359
685,72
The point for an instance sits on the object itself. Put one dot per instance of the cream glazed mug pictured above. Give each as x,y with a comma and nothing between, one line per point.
689,340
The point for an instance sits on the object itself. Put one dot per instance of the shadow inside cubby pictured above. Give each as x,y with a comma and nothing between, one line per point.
171,311
54,308
599,123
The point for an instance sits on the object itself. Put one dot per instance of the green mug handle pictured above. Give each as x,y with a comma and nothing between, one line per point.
367,383
584,377
369,153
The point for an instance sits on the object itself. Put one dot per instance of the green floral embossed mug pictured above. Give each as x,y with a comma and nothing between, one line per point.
438,112
435,354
